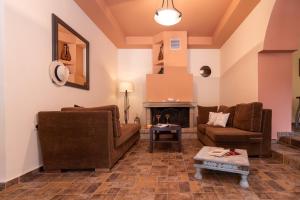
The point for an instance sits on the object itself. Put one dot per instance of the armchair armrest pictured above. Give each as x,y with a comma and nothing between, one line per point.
75,140
267,131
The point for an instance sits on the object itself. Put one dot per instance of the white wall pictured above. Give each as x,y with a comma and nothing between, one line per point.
28,88
296,83
134,64
239,57
206,90
2,139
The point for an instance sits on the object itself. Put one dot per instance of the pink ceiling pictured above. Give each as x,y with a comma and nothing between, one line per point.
130,23
200,17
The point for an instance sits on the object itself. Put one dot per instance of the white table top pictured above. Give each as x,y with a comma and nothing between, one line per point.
241,160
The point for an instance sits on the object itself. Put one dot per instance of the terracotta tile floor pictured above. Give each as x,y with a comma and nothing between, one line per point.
163,175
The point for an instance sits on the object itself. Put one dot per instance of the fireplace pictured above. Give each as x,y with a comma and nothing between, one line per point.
171,115
181,113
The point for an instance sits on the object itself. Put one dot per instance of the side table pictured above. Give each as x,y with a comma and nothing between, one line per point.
155,131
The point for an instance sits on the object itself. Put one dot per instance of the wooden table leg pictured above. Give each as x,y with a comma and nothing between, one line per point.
151,141
179,140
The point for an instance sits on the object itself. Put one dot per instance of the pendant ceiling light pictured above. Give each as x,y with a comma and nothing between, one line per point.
167,15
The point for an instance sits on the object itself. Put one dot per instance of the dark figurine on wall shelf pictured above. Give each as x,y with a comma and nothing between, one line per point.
161,71
161,54
65,54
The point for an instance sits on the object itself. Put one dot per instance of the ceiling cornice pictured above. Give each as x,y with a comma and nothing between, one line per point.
232,19
99,12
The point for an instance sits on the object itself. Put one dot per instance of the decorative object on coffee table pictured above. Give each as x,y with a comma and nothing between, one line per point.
158,117
170,129
167,118
125,87
234,163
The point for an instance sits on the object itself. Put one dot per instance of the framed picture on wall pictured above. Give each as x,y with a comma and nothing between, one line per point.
70,48
299,66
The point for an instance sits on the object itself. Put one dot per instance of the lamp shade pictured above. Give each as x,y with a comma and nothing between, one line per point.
167,16
125,85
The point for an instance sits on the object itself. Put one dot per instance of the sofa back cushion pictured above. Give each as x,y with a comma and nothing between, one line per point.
203,113
248,116
115,115
231,111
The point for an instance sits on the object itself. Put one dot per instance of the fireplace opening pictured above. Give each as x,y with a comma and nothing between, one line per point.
171,115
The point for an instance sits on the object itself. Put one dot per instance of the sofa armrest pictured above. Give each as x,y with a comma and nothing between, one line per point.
75,140
267,131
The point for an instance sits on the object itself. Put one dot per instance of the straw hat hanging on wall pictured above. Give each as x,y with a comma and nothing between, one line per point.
59,73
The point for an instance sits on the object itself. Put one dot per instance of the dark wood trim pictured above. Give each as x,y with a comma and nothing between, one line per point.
299,67
55,21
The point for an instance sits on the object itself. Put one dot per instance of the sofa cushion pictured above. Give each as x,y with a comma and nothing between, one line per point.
203,113
113,108
212,116
128,130
248,116
230,134
221,119
231,110
202,127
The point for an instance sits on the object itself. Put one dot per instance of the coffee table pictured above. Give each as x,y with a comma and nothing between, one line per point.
235,164
172,129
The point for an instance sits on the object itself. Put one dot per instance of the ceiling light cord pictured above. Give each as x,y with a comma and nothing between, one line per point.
180,14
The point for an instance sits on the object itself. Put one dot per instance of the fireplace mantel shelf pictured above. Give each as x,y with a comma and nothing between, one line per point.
169,104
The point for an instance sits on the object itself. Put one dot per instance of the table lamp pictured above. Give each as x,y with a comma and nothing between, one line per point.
125,87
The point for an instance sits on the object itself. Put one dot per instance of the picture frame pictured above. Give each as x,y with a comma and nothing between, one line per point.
71,49
299,66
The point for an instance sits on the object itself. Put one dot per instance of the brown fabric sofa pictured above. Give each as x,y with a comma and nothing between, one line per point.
84,138
248,127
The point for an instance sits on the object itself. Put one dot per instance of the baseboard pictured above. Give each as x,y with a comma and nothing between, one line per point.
19,179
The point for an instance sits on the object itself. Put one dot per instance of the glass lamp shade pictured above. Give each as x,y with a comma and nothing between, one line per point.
167,16
125,85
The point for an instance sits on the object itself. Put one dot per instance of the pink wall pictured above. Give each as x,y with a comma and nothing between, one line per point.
283,32
275,88
275,63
